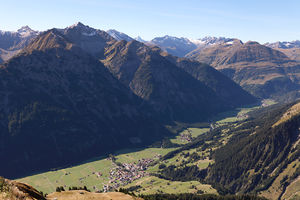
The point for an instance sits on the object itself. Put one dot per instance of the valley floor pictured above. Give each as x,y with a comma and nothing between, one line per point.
133,169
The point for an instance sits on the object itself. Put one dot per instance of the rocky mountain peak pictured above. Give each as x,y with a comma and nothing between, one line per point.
78,25
119,35
82,29
168,38
252,43
284,44
208,40
48,39
26,31
138,38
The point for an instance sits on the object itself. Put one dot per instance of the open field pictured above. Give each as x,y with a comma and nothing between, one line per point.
194,133
240,113
152,185
85,174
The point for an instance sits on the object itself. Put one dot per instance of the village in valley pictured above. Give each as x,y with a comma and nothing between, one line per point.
124,173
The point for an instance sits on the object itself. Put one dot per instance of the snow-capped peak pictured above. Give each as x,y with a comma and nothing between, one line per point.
168,38
215,40
84,29
119,35
284,45
77,24
26,31
138,38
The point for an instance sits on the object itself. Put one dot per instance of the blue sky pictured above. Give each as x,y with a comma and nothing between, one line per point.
259,20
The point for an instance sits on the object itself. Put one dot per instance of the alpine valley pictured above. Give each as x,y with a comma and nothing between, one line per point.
93,114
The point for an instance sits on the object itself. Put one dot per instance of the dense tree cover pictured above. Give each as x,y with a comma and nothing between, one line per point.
185,173
252,153
61,188
79,188
190,196
246,163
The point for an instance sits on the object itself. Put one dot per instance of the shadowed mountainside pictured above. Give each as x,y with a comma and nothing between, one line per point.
169,89
61,105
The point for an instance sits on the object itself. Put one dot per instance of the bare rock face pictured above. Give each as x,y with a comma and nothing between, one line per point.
12,190
91,40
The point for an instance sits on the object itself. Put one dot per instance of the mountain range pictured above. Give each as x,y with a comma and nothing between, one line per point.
291,49
266,71
74,93
261,70
12,42
61,105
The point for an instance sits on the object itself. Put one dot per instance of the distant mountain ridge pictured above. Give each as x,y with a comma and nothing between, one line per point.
12,42
261,70
291,49
182,46
284,45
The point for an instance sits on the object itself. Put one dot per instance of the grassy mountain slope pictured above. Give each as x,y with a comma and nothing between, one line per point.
262,71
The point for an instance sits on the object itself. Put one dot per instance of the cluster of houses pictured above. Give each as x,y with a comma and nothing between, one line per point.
125,173
186,137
